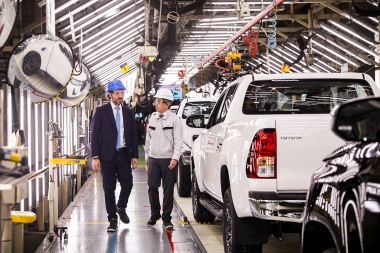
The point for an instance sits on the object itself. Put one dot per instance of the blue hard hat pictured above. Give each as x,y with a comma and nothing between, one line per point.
115,85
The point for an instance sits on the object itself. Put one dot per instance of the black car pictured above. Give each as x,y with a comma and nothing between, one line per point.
342,212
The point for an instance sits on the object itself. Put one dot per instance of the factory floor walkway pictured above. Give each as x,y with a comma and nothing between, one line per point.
86,222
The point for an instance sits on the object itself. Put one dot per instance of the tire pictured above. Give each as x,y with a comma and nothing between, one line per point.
238,234
31,63
351,224
183,179
200,213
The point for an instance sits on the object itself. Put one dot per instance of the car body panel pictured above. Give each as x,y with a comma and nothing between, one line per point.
189,132
226,144
298,138
344,195
7,19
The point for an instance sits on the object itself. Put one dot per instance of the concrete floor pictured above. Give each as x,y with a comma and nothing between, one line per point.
86,220
211,235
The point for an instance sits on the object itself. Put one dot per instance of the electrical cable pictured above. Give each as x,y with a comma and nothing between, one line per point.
135,23
159,25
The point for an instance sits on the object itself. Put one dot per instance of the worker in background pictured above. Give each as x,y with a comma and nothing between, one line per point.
162,150
115,151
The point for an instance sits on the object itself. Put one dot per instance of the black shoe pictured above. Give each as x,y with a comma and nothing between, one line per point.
113,225
168,225
153,219
123,215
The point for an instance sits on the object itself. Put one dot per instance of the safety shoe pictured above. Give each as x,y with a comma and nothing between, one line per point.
153,219
123,215
168,225
113,225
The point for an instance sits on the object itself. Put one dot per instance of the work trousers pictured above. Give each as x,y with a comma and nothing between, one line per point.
119,169
159,169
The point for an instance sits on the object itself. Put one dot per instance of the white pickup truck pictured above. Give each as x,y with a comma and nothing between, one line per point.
265,136
188,107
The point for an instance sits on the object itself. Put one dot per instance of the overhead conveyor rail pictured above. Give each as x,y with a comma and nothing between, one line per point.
251,23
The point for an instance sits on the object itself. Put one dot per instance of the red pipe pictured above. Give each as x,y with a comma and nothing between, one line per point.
251,23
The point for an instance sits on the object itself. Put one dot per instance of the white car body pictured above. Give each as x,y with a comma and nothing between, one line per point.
188,107
7,19
174,108
219,155
49,66
188,132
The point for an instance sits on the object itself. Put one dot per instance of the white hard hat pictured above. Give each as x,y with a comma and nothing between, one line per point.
164,94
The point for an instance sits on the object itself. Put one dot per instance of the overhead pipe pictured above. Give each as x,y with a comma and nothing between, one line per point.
245,28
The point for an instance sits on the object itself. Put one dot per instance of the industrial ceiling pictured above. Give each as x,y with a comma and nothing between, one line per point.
192,35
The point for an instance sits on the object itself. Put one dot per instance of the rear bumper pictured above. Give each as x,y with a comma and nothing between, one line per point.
274,206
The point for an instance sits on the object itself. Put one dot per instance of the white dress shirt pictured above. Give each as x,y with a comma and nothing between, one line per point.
122,141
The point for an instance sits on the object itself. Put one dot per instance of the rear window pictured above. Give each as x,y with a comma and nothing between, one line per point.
195,108
301,96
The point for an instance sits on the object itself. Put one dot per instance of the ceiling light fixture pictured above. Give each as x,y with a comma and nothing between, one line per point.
352,54
117,27
107,58
345,38
353,33
228,9
348,16
100,12
94,53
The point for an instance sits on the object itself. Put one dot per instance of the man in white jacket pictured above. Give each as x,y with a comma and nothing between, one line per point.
162,151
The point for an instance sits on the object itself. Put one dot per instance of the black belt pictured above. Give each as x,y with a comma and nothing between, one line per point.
121,149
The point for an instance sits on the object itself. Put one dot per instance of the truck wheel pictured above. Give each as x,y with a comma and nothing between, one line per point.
239,234
183,179
200,213
351,224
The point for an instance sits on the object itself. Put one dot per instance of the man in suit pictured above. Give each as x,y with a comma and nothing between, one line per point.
114,151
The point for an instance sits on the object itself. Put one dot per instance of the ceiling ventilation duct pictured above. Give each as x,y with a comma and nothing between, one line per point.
7,19
170,39
78,87
42,66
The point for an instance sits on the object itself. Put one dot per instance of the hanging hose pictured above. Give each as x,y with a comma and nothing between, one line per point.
222,68
251,40
272,43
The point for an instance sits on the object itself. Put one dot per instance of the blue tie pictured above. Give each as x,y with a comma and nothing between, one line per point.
118,127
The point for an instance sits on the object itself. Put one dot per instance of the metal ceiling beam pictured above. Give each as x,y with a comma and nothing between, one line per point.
254,21
322,1
33,25
340,46
215,18
354,19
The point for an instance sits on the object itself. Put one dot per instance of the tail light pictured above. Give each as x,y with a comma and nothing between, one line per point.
261,161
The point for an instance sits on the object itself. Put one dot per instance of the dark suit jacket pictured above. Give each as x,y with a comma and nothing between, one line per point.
104,133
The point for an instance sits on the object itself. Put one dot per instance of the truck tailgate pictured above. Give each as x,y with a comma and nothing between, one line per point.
302,142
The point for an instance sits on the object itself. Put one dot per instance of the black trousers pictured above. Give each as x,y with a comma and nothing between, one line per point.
158,169
119,169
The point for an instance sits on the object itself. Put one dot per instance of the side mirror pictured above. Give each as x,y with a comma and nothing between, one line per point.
196,121
358,120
